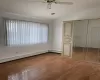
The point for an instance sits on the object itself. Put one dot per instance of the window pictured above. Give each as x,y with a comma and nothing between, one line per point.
26,33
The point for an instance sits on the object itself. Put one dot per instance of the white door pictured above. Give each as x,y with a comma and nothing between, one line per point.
67,39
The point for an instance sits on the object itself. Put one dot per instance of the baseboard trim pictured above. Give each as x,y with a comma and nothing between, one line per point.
21,56
55,51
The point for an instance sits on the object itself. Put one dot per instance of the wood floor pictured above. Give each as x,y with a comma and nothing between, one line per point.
49,66
92,54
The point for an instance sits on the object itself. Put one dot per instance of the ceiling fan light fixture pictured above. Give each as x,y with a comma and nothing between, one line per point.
49,5
50,2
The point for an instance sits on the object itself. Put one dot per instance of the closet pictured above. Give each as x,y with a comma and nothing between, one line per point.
85,40
79,39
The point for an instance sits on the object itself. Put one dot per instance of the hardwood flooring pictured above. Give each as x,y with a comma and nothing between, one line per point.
49,66
92,54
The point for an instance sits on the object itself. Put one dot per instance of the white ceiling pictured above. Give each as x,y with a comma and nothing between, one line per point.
39,10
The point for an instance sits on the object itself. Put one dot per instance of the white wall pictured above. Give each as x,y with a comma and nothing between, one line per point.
1,32
10,53
57,36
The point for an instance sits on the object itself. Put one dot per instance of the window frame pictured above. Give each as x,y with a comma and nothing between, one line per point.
6,37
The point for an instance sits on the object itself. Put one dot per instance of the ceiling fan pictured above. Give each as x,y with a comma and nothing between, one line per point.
50,2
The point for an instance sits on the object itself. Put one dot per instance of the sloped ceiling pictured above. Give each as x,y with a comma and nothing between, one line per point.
80,9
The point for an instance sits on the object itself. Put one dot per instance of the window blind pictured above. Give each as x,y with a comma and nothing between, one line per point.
25,33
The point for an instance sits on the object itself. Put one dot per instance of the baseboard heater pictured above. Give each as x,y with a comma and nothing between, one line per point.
7,59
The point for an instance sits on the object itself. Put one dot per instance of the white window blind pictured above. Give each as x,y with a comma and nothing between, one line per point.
26,33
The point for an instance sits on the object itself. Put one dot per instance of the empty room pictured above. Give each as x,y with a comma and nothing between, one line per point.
49,39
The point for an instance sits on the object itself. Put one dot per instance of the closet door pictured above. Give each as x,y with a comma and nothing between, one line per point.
93,40
79,39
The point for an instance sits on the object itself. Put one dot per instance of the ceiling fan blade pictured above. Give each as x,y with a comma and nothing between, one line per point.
68,3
